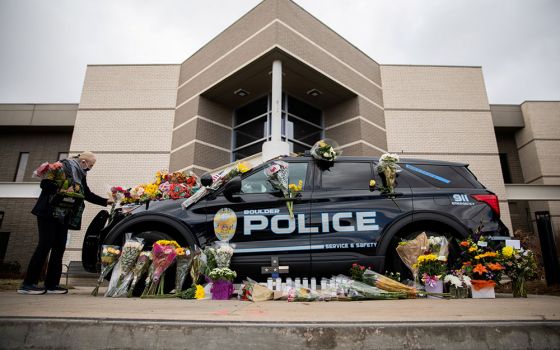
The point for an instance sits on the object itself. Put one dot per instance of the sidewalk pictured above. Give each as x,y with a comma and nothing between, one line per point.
33,321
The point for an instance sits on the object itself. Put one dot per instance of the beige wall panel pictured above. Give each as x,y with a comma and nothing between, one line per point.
131,86
232,36
345,133
361,149
123,130
540,158
551,180
428,87
373,135
440,132
351,108
210,157
310,27
542,121
186,111
215,111
229,64
182,158
184,134
342,111
328,65
213,134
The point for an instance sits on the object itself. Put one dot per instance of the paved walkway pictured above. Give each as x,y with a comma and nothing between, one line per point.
79,304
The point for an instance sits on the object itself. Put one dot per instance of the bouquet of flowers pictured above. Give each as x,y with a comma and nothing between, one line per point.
326,149
210,259
480,263
293,192
356,290
389,168
409,251
184,260
521,266
439,246
55,172
459,284
383,282
357,272
109,256
198,265
278,174
223,255
164,253
140,268
252,291
122,276
431,268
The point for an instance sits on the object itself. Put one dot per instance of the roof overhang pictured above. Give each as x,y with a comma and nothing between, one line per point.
298,80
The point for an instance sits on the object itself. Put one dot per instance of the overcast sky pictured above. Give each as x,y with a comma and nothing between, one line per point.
46,45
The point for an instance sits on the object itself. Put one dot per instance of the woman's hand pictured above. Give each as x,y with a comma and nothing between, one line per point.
110,201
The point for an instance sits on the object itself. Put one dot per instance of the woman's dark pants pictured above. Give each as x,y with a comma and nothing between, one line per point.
52,238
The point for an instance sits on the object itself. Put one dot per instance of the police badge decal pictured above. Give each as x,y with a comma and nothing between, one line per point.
225,224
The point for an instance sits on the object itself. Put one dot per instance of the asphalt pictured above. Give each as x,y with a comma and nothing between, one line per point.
30,321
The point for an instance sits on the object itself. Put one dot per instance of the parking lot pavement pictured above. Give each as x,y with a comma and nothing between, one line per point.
79,304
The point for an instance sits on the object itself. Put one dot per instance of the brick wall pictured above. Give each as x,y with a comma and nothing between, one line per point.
22,226
43,146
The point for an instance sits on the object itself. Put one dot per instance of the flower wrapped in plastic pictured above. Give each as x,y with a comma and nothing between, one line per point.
356,290
521,266
122,274
198,265
223,255
163,253
184,261
140,268
109,257
252,291
439,245
385,283
327,150
389,168
277,174
410,250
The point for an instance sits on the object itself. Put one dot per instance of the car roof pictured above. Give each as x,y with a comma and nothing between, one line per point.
402,160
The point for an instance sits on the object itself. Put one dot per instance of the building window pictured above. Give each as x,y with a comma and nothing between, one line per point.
62,155
505,168
22,165
302,126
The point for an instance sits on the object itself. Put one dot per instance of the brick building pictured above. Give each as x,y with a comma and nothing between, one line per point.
280,77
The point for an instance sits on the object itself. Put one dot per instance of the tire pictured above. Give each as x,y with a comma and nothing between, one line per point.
394,262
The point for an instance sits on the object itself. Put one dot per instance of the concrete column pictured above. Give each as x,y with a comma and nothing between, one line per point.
276,147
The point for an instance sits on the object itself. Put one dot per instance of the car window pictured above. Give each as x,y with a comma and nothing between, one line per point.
258,182
347,176
441,176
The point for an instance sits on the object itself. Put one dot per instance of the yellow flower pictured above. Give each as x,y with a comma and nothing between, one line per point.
507,252
425,258
485,255
472,249
322,143
372,183
166,242
180,251
199,294
243,167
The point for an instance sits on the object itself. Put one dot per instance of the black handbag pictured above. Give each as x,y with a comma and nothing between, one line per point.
66,208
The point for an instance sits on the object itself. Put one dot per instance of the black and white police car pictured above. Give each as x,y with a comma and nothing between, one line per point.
338,218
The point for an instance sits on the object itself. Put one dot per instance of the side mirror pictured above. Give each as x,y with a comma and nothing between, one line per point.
206,180
232,187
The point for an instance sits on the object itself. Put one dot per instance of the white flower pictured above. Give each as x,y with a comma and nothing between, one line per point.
467,281
326,155
454,280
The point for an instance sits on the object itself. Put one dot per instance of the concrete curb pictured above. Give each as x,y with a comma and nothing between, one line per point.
74,333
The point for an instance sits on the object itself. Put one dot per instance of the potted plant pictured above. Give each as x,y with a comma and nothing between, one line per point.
431,268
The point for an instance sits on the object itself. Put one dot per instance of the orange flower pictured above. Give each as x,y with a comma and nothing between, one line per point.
495,267
480,269
464,244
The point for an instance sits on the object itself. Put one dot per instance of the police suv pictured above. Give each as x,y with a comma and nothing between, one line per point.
338,219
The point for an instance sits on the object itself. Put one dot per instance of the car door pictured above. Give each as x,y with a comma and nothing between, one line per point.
350,215
263,227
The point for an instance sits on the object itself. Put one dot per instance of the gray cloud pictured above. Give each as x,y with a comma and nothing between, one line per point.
46,45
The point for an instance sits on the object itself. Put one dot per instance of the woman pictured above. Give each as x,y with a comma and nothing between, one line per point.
53,223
